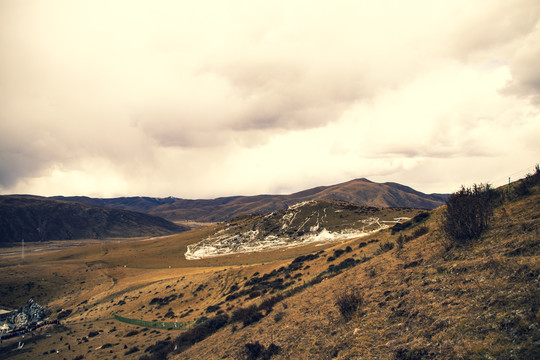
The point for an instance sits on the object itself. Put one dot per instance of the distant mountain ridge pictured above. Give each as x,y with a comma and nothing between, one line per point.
44,219
359,191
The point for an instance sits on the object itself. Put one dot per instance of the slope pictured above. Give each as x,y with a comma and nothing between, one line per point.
423,298
40,219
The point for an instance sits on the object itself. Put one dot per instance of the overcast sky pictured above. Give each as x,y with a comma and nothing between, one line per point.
200,99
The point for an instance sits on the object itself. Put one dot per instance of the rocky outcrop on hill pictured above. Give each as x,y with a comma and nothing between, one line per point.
313,221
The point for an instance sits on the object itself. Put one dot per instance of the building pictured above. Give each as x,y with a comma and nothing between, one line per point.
4,314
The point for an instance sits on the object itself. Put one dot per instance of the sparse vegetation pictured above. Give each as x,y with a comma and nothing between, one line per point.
468,212
279,316
247,315
213,308
347,263
427,300
64,314
164,301
132,350
349,302
384,247
255,351
402,239
200,332
131,333
523,188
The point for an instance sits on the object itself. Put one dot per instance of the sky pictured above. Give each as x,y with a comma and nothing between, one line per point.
202,99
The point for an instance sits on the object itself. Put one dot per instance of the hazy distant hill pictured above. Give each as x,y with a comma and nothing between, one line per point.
359,191
41,219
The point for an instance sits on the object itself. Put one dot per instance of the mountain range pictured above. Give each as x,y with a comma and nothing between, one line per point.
358,191
36,218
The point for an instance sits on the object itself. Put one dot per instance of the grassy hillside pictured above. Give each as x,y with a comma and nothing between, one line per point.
41,219
422,296
429,299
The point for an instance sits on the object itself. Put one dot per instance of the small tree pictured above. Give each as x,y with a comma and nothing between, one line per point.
468,212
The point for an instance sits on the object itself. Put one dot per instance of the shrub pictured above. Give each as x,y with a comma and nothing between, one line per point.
304,258
254,294
64,314
338,253
468,212
421,217
201,320
132,350
199,332
349,302
384,247
279,316
420,231
212,308
400,241
159,349
255,351
347,263
400,226
523,188
247,315
163,301
268,304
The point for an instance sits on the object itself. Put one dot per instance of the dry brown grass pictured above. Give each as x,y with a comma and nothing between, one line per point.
472,302
425,300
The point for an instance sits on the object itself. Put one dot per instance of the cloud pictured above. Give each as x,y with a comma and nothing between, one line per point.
526,74
221,98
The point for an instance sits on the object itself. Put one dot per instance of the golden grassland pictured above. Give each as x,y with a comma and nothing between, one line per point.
98,280
427,299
